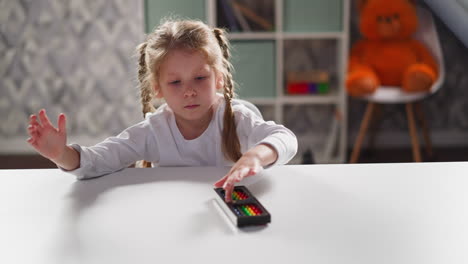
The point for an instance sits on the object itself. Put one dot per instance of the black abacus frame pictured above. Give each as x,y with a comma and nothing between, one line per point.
243,220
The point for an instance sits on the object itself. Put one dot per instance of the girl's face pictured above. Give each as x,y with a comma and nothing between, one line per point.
189,85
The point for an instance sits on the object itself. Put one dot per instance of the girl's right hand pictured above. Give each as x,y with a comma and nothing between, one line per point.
49,141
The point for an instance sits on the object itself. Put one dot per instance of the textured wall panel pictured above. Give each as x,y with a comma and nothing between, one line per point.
74,57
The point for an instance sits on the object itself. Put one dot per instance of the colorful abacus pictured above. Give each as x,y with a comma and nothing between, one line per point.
245,209
239,195
249,209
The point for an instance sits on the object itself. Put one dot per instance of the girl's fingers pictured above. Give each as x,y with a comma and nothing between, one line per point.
223,180
244,172
228,187
44,118
32,141
34,136
229,184
33,121
32,130
220,183
35,131
234,176
62,120
253,171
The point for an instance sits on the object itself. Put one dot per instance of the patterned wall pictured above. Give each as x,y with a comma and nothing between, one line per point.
76,57
68,56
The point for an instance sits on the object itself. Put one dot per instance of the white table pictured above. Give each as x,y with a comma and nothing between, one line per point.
363,213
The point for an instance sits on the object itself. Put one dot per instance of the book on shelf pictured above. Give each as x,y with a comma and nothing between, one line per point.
318,76
239,17
229,14
244,24
308,82
251,15
308,88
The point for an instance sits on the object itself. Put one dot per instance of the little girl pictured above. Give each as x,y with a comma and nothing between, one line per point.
185,63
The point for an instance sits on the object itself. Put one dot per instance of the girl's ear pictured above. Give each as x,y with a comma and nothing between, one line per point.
219,81
157,91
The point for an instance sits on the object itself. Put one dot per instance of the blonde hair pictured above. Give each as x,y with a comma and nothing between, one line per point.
197,36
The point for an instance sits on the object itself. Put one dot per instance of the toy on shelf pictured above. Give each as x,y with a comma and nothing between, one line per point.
388,55
308,82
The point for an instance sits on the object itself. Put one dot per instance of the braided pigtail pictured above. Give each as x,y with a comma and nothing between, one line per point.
146,92
230,140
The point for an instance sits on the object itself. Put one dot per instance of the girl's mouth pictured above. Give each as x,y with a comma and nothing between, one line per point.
191,106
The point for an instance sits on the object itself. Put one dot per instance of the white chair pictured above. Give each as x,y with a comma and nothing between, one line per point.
250,106
427,34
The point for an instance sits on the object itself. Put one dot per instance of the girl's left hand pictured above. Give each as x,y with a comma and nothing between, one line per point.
246,166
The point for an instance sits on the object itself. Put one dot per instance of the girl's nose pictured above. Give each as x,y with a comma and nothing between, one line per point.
190,92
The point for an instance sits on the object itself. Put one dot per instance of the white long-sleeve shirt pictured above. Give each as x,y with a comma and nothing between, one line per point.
157,139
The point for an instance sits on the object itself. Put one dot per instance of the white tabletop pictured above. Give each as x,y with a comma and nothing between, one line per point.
363,213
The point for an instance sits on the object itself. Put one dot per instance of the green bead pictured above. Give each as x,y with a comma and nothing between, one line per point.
323,88
244,208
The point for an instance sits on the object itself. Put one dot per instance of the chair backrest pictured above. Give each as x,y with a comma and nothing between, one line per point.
250,106
427,34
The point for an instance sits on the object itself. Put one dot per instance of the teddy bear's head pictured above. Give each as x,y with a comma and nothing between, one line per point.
387,19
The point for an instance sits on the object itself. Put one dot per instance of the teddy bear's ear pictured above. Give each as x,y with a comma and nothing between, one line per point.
360,4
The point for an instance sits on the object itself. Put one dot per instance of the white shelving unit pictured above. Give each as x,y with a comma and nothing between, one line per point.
261,73
338,128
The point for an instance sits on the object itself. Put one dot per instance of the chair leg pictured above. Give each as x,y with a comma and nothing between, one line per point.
374,126
413,132
426,135
362,132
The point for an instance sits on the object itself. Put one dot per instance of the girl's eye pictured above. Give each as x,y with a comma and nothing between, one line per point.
174,82
199,78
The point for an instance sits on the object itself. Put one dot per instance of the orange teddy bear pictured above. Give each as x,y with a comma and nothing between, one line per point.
388,55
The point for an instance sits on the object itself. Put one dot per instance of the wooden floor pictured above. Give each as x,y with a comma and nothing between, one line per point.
375,156
25,162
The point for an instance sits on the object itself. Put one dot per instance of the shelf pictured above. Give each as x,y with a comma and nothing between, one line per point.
286,35
252,36
310,99
312,35
261,101
295,99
